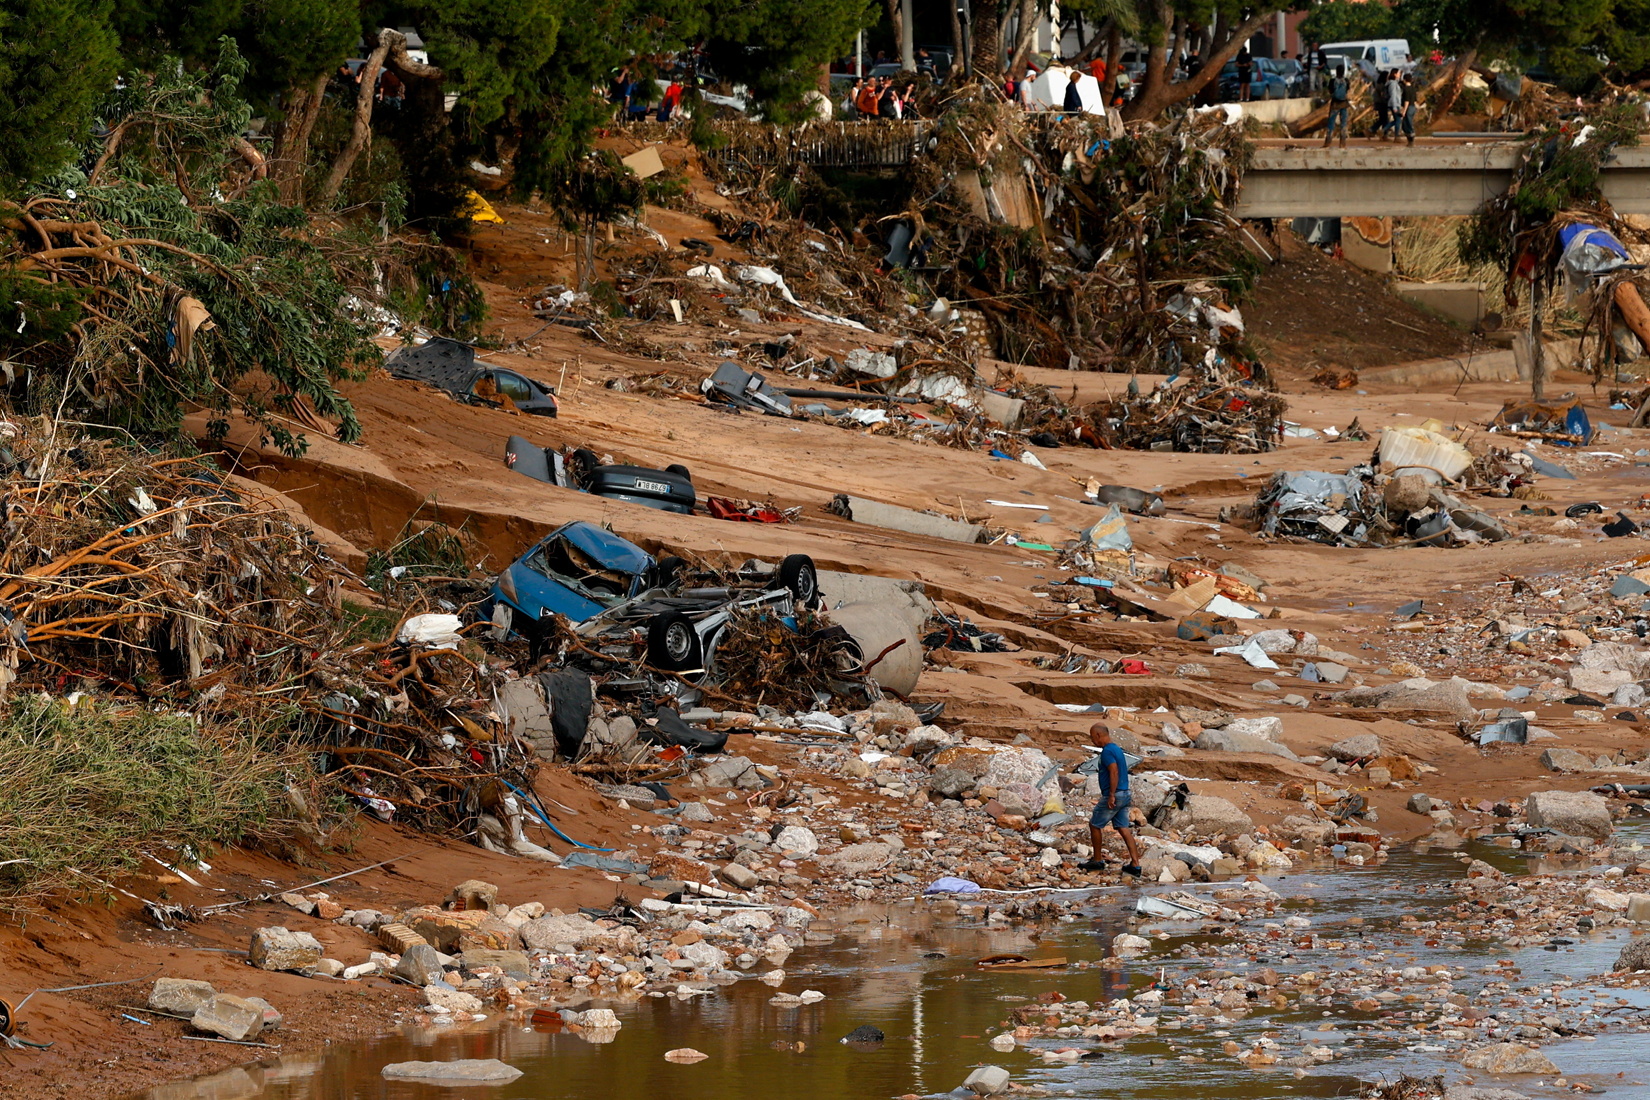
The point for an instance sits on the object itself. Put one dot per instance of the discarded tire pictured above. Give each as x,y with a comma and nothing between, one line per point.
798,574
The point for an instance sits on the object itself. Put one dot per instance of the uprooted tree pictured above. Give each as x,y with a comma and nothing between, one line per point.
170,277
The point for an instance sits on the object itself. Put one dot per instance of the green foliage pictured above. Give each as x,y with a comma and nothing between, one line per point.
56,59
775,47
150,30
1348,21
275,292
89,788
597,188
289,42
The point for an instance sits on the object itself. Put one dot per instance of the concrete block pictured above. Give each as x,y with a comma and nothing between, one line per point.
230,1017
180,996
278,949
1370,257
1462,303
892,517
398,938
1002,408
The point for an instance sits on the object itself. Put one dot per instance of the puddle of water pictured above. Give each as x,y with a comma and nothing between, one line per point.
938,1013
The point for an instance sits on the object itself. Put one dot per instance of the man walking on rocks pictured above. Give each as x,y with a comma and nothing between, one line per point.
1113,807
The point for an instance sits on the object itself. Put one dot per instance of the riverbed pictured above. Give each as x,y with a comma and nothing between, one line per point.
909,970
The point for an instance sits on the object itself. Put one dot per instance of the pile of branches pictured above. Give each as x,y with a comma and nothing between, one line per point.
1217,407
763,661
152,580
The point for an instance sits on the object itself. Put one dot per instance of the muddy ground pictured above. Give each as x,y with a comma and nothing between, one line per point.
423,455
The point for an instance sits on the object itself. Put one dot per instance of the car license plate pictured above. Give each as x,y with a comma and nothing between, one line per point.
652,487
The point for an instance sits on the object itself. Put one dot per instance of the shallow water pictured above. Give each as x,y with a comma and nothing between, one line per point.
939,1012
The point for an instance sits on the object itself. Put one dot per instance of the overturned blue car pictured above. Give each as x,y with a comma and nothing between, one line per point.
630,606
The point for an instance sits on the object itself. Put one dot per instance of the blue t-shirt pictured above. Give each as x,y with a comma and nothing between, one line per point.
1113,754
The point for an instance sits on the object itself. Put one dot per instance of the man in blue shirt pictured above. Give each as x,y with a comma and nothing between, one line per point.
1113,807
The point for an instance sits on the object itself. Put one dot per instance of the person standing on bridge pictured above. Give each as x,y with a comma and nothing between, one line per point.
1380,98
1340,91
1406,109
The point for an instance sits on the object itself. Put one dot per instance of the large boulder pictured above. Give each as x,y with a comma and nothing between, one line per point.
1226,741
1635,956
1360,746
1448,698
1022,799
572,930
1573,813
1268,728
704,956
276,948
1602,682
1015,765
796,842
1508,1058
513,964
1210,815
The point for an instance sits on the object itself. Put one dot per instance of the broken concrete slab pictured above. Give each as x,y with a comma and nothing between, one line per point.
1227,741
180,996
892,517
276,948
230,1017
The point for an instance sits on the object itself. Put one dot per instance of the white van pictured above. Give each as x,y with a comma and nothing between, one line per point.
1372,55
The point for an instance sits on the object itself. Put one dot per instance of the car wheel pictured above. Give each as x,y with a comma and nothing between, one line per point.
584,464
798,574
668,569
673,644
679,470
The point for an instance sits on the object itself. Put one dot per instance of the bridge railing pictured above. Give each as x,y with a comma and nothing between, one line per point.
867,143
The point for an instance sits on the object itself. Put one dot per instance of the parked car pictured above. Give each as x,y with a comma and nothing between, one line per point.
1264,82
1292,73
452,366
629,605
670,489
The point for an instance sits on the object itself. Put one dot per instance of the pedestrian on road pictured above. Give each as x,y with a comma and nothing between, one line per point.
1340,91
1113,807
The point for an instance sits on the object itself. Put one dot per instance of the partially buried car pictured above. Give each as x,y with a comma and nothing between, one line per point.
670,489
452,366
628,606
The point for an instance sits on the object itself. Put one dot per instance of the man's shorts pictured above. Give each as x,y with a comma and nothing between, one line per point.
1117,816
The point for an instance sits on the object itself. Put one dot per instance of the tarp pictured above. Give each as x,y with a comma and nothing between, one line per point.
1049,90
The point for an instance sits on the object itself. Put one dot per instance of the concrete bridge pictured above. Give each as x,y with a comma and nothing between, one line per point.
1373,180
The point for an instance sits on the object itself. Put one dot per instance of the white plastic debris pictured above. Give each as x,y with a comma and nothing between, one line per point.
434,630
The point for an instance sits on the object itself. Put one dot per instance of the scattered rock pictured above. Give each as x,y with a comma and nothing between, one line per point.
1225,741
987,1081
796,842
1635,956
1361,746
685,1055
864,1033
1269,728
1573,813
1508,1058
447,999
544,933
490,1070
180,996
420,964
473,894
737,874
1559,759
1208,815
513,964
276,948
231,1017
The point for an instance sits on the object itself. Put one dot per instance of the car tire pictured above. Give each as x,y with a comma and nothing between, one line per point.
797,573
584,463
668,569
679,470
673,643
